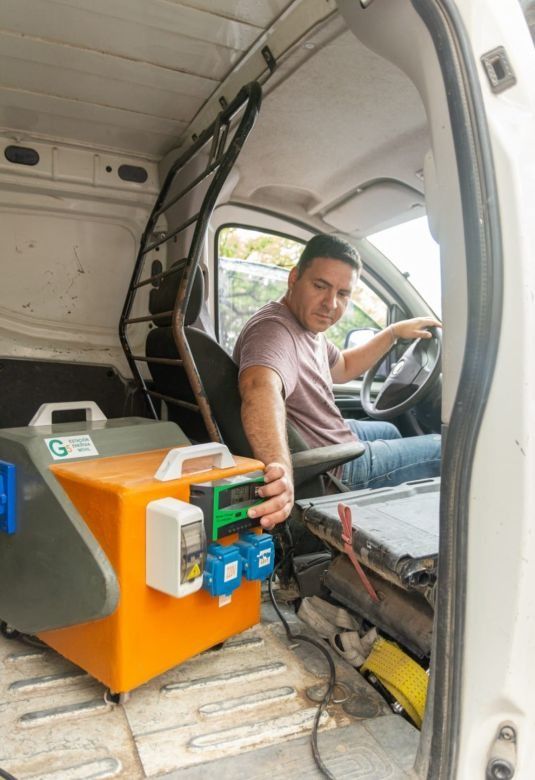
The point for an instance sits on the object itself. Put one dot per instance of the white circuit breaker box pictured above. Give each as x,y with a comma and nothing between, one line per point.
176,547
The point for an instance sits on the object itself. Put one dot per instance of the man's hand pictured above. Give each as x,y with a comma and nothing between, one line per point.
354,362
415,328
279,492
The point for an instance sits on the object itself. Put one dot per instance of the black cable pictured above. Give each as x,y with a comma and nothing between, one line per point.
6,775
332,671
28,639
33,641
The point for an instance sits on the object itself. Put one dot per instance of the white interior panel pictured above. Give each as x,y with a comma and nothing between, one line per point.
373,207
362,120
60,266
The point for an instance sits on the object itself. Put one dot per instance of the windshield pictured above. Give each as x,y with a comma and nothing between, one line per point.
413,250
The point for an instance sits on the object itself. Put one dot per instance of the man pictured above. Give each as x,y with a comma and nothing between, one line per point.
287,370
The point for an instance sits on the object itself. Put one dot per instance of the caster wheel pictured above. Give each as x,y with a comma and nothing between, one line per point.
115,698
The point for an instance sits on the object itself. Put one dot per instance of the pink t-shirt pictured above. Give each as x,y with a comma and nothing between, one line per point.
275,339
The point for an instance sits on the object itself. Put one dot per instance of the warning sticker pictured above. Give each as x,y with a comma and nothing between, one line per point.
231,571
264,559
66,447
195,571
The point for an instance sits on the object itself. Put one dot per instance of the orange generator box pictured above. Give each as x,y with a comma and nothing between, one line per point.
189,565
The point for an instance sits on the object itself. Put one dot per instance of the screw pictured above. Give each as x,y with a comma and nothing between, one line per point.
507,733
500,769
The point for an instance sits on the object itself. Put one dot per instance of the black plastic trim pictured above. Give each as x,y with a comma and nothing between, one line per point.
133,173
21,155
28,383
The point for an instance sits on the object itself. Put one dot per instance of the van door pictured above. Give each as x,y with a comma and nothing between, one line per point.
480,193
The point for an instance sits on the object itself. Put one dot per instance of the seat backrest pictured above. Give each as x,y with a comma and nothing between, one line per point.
171,380
163,297
219,375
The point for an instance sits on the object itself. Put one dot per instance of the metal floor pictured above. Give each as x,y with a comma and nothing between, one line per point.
249,707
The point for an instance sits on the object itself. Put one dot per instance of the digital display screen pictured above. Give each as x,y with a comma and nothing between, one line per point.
241,494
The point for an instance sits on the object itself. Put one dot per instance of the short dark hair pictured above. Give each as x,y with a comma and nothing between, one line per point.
324,245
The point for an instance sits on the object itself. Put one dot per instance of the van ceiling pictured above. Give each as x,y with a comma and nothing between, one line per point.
348,150
123,74
341,138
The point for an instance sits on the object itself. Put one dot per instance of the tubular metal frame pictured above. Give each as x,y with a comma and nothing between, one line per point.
222,156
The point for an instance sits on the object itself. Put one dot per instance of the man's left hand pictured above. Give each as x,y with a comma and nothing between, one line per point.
415,328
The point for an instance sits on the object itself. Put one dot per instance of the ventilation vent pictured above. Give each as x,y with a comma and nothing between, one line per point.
133,173
21,155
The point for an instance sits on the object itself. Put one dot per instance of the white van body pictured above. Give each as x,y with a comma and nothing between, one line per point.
373,113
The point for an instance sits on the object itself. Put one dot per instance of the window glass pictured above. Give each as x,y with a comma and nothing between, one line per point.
253,269
413,250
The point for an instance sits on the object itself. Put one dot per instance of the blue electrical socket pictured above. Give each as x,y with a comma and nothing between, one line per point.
8,497
258,555
223,569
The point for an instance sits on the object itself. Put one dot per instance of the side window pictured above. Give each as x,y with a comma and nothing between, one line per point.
253,269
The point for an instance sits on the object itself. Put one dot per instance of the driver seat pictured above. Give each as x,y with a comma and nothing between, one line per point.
219,377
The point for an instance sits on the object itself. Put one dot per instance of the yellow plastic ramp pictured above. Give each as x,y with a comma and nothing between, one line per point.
400,675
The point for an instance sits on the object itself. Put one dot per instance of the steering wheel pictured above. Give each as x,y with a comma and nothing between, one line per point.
410,379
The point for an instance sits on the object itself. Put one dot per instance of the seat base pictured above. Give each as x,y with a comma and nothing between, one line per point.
395,530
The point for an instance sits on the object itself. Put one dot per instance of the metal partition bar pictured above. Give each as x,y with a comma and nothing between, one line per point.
221,158
162,275
176,401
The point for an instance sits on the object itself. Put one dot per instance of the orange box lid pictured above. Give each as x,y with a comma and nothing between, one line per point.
136,471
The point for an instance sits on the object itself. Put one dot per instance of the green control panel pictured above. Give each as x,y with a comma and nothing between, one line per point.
225,503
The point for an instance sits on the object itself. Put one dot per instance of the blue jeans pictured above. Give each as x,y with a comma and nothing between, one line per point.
389,459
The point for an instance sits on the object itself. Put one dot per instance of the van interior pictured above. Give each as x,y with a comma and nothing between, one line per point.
163,164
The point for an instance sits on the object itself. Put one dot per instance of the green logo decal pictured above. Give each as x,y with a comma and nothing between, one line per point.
57,448
77,446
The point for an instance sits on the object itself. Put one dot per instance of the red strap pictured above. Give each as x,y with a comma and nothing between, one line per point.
344,512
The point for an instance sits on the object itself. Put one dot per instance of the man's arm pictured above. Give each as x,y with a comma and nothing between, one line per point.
355,362
263,414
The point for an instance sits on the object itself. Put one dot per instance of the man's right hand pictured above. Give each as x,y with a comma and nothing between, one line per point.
278,491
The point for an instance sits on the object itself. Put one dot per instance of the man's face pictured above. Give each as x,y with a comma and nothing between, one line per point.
320,296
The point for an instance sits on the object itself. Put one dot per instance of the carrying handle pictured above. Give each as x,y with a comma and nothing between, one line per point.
172,465
43,415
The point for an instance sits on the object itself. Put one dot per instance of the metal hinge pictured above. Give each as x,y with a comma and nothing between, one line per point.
502,757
